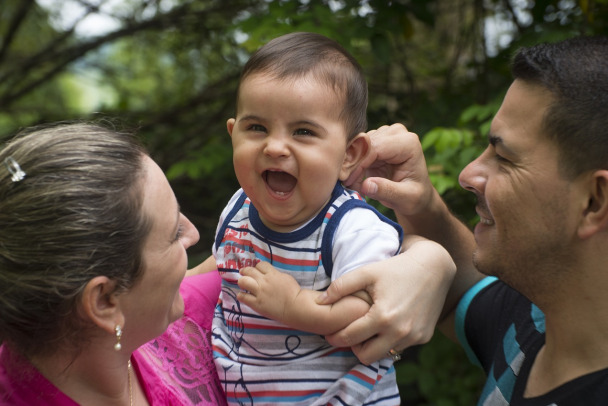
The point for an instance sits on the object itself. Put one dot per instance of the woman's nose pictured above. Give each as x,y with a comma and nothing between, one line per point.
191,234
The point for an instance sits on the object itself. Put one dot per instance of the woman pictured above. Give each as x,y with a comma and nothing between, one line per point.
92,256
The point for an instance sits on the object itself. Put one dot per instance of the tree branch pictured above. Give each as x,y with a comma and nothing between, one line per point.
14,26
32,69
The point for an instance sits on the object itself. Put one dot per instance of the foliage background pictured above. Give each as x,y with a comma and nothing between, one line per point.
169,68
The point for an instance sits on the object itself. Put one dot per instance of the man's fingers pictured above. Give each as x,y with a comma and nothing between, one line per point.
355,179
385,191
376,348
369,348
343,286
352,335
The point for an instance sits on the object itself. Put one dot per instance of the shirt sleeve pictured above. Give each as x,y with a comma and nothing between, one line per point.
461,312
492,320
225,212
362,238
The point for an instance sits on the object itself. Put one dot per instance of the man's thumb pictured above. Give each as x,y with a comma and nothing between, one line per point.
383,190
370,188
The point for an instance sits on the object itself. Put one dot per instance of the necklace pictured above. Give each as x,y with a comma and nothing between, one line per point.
130,387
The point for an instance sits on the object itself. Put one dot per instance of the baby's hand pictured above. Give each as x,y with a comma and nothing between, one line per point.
268,291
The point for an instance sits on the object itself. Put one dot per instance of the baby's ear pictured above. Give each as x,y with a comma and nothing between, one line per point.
356,150
230,125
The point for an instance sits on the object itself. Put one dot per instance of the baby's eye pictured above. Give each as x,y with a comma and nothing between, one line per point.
256,127
303,131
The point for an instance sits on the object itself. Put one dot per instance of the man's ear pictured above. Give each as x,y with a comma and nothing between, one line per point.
357,149
100,304
595,216
230,125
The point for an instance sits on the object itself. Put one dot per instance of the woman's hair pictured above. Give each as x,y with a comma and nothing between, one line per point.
296,55
76,214
575,71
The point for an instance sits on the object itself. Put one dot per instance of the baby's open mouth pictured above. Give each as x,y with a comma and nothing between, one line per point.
280,182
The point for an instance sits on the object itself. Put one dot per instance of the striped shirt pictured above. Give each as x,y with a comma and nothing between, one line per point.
261,361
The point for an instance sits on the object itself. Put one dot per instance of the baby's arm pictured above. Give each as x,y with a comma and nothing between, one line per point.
359,239
207,265
278,296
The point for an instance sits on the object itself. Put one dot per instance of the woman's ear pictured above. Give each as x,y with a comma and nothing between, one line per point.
356,150
100,304
230,125
595,216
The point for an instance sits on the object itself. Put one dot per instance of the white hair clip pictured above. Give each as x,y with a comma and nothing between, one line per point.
14,168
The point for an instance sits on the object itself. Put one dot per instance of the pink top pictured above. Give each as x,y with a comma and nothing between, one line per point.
175,369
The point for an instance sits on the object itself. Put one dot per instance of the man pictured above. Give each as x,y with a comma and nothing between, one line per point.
541,330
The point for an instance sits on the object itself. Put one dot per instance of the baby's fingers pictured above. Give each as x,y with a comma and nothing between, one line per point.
247,298
265,268
249,284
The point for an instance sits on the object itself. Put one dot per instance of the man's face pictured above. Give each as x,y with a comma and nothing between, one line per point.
526,208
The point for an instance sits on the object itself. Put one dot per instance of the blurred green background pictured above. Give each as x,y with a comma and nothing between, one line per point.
169,68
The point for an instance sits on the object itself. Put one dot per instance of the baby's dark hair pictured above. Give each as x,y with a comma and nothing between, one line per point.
296,55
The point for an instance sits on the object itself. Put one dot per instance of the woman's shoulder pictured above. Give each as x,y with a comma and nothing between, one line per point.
200,293
22,385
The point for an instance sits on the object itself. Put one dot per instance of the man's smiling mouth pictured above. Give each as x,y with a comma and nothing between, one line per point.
486,221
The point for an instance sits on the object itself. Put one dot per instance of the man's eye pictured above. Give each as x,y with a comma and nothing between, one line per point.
500,158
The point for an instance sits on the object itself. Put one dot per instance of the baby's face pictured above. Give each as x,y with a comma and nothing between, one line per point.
289,147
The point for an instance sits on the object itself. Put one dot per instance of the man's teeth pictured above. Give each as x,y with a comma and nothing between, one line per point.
485,221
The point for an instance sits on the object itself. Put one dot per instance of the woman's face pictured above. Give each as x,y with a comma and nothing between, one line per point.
154,301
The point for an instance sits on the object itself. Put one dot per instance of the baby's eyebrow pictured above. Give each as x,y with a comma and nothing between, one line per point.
307,123
249,117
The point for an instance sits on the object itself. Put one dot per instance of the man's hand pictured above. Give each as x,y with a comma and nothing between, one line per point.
394,171
408,293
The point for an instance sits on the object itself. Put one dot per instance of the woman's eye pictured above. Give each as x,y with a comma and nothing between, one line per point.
179,234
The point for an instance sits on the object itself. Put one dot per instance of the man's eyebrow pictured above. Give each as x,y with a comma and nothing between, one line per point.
494,139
